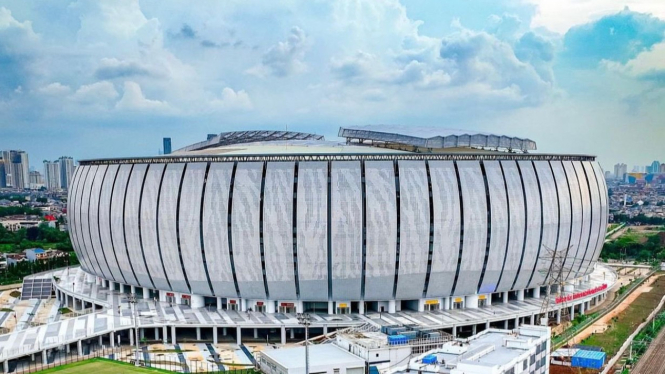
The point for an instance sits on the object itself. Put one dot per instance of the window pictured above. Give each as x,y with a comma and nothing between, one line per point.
542,361
524,365
532,360
510,371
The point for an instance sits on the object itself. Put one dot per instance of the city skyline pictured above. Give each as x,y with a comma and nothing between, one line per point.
546,70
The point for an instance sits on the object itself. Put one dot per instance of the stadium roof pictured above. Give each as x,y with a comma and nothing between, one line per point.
418,138
240,137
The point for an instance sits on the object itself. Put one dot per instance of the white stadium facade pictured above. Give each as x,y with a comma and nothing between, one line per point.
392,218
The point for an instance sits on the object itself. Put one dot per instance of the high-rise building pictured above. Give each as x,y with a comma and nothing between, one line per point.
3,174
17,169
167,146
66,171
52,174
620,170
655,167
36,180
662,168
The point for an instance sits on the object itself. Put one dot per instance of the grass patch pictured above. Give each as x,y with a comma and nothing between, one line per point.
64,310
15,294
101,366
622,325
7,310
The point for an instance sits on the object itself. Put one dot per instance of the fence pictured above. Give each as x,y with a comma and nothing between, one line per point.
166,359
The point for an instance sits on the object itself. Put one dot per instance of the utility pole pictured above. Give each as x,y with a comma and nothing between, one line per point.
303,319
132,300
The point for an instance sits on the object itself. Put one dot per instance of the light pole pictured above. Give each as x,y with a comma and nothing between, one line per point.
303,319
132,300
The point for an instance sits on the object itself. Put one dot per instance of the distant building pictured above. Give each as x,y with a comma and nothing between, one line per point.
15,258
36,180
52,173
328,359
3,176
40,254
167,146
608,175
66,171
655,167
620,171
17,169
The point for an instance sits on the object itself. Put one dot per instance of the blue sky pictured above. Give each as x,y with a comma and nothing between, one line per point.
111,78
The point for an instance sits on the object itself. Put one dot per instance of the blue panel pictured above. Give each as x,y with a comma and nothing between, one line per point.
346,229
215,229
414,229
445,196
475,226
381,209
245,230
278,230
312,230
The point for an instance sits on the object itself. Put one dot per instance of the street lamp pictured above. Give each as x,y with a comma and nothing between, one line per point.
132,300
303,319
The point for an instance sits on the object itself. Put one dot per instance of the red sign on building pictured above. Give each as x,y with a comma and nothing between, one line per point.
582,294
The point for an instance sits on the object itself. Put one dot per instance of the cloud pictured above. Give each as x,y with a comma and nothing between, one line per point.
618,37
133,99
232,100
504,26
285,58
17,52
55,89
353,68
111,68
98,93
187,32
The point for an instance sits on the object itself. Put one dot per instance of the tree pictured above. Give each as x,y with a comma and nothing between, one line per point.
32,233
42,200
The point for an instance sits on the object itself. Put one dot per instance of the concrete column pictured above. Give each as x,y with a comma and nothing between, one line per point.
454,331
520,295
505,325
582,308
68,348
536,293
156,333
474,329
238,335
505,297
142,333
391,306
101,340
558,316
517,322
198,333
325,329
214,335
224,331
131,337
5,366
283,335
293,333
446,303
533,319
256,333
146,293
165,333
173,337
361,307
487,325
79,346
572,312
330,307
45,356
132,289
112,339
219,303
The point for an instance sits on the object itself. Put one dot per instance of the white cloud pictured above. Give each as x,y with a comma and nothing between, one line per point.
561,15
133,99
98,93
647,65
285,58
232,100
55,89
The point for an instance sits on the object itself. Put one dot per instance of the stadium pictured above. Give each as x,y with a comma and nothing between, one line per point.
389,219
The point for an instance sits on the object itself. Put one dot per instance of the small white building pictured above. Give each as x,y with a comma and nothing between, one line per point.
520,351
323,359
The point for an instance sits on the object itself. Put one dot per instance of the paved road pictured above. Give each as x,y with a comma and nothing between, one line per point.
653,359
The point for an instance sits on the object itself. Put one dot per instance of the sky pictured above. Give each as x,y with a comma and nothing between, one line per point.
93,79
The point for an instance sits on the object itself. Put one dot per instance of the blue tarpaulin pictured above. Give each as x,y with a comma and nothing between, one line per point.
429,359
588,359
397,339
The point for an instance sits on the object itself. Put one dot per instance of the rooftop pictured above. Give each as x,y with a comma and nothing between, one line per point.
326,355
